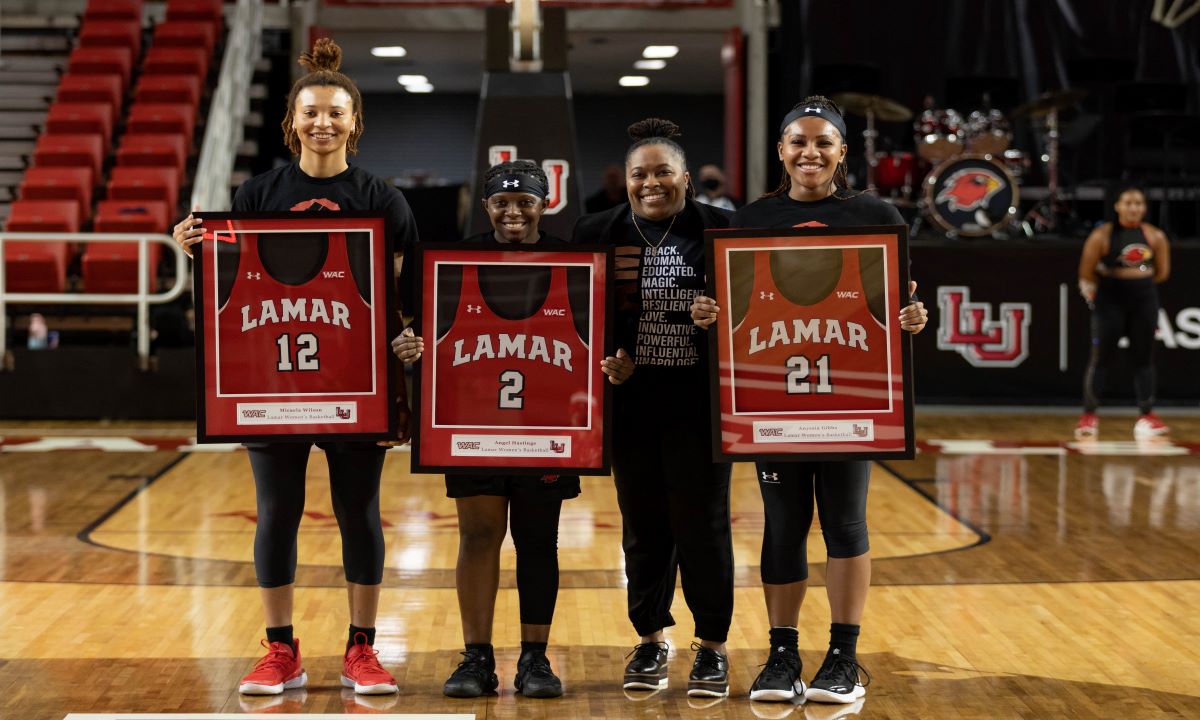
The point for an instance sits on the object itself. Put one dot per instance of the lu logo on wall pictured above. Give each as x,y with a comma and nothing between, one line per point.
557,172
969,329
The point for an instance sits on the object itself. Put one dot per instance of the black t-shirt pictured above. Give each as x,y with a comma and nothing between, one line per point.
841,209
654,322
288,188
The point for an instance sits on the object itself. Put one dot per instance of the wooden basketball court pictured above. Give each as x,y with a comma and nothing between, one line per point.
1016,575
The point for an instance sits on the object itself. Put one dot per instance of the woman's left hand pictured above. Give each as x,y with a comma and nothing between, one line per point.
914,317
619,368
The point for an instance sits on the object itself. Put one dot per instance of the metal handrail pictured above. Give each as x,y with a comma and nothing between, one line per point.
142,298
227,112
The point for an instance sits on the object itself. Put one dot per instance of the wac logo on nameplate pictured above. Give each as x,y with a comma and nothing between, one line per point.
968,328
557,172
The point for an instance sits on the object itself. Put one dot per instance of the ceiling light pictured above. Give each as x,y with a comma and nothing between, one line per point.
412,80
634,81
650,64
389,51
665,52
419,88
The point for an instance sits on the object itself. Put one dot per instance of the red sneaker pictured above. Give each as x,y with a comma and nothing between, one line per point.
1088,427
279,670
1149,426
361,670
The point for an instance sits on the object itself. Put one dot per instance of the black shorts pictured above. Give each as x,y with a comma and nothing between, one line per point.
563,487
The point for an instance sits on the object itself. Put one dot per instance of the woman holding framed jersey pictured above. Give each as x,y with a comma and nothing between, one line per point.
322,125
490,505
814,192
674,500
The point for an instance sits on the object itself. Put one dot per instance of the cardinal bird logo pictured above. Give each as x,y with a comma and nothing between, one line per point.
968,189
1136,254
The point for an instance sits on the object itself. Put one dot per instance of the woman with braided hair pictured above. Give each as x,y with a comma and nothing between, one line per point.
323,123
674,499
814,193
489,506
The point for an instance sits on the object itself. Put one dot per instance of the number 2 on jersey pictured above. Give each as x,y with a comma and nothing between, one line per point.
306,352
512,383
797,377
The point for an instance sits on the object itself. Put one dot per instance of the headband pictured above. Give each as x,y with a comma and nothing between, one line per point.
517,182
814,111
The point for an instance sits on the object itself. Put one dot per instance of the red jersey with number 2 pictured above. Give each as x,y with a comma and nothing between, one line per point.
512,373
831,355
314,338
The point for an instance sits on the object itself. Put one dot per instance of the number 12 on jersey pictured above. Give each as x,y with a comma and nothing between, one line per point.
306,353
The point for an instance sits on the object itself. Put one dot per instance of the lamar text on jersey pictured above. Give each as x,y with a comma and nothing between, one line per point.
810,331
299,310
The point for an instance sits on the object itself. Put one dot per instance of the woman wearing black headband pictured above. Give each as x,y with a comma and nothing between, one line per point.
515,198
674,500
814,192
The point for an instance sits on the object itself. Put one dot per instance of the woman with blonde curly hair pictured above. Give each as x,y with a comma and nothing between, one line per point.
323,123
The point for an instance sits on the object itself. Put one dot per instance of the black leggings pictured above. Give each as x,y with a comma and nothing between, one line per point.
1123,308
674,504
354,470
533,522
788,491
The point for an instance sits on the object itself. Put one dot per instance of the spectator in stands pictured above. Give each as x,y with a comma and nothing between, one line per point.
611,192
712,188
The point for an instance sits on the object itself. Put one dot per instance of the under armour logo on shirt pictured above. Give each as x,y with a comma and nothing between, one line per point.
764,295
511,183
770,477
253,276
477,309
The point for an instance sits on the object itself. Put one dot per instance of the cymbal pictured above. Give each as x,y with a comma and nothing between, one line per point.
1047,102
884,109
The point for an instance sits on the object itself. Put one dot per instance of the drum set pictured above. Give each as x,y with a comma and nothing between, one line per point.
969,174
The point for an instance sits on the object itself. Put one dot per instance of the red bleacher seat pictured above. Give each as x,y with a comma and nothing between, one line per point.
179,89
39,266
91,88
112,33
171,118
153,150
51,183
131,216
102,61
111,267
184,33
113,10
176,61
144,183
81,119
197,11
70,151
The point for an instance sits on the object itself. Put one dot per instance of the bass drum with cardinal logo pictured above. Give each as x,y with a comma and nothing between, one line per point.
971,195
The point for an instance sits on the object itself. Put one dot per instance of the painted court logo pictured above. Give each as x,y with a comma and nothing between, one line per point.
969,329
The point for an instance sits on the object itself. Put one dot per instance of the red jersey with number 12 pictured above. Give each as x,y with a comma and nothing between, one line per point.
312,339
514,373
831,355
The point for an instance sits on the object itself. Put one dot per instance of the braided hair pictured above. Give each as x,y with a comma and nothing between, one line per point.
322,63
657,131
840,178
522,167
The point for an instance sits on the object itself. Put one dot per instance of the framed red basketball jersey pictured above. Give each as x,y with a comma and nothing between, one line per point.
510,380
294,317
811,361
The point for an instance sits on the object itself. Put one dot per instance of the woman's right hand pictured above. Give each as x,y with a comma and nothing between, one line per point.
704,311
408,346
188,232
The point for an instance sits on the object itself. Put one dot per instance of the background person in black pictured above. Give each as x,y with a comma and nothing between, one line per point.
814,193
488,505
323,123
1121,265
674,500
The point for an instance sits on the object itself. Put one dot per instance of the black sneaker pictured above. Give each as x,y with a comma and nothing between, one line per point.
779,680
710,673
535,679
648,668
838,680
474,677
